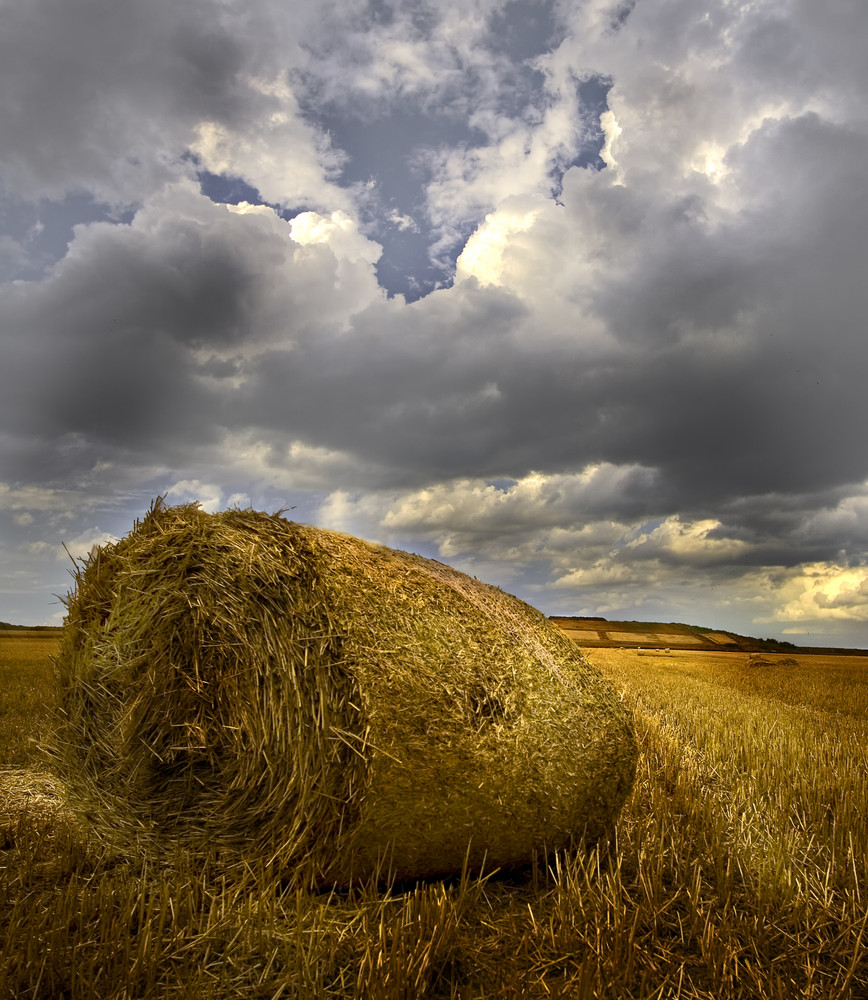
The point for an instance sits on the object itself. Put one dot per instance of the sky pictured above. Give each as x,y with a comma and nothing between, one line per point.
569,294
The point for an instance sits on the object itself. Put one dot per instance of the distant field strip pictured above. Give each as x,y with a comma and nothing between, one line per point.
658,638
717,637
586,635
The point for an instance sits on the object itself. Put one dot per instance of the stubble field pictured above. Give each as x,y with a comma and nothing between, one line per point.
739,869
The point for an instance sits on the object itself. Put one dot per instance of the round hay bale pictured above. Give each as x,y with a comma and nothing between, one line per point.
240,681
787,661
758,660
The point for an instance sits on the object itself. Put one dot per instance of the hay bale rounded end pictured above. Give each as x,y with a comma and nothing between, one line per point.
285,693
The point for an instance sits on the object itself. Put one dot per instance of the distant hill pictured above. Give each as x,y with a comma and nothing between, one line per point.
6,627
599,633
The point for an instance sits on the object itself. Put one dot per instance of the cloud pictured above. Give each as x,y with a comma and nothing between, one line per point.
274,149
611,131
482,256
82,545
462,515
209,495
29,499
101,108
688,543
337,231
147,324
822,592
403,222
845,523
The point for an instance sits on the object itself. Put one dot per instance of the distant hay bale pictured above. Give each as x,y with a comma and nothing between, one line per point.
241,682
787,661
758,660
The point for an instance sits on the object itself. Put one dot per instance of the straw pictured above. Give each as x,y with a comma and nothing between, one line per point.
240,682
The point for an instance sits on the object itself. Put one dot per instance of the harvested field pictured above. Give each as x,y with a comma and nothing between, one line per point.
740,872
25,671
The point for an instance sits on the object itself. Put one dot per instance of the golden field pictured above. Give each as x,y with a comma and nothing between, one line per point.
739,869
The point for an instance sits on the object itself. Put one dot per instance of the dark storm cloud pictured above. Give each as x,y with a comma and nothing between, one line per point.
185,323
88,88
106,347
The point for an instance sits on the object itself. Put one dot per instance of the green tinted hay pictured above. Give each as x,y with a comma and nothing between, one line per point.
241,682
